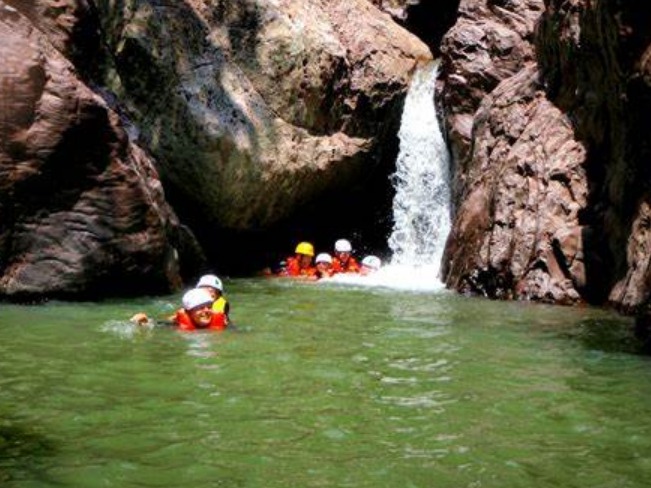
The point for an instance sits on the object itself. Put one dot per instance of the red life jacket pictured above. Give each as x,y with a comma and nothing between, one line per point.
184,322
351,266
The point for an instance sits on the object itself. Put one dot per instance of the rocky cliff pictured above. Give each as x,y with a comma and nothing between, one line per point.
253,119
82,210
265,114
545,105
256,122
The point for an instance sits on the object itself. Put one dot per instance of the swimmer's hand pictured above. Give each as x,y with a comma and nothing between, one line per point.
139,319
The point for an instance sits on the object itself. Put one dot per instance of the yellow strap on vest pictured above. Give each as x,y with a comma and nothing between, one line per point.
219,305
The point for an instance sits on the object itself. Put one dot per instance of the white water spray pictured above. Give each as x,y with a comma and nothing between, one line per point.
421,208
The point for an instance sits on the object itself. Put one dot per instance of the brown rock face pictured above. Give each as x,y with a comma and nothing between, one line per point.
82,211
595,59
275,107
517,232
552,192
265,117
490,42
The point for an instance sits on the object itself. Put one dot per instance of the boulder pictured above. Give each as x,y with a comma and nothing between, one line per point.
82,211
256,110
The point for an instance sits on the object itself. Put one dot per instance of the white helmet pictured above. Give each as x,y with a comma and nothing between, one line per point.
343,245
196,297
212,281
323,257
372,262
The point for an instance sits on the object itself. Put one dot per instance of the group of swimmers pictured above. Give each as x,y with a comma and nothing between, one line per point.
206,307
304,265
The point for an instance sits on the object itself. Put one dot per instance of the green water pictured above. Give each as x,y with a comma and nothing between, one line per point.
323,386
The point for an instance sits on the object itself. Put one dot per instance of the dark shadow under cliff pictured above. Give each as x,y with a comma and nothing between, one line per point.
362,214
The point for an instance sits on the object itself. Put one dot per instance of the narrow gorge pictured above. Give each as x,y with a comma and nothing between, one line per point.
143,141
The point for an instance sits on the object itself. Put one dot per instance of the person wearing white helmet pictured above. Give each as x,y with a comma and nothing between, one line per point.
370,264
216,288
343,260
323,265
196,313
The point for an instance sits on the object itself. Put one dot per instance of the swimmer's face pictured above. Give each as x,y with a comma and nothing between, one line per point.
304,260
366,270
201,315
343,256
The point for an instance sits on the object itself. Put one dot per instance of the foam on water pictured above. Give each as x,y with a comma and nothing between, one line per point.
395,276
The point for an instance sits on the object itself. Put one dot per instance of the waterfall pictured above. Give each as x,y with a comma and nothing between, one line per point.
421,208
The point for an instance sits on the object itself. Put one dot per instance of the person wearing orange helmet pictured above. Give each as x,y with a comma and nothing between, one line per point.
300,265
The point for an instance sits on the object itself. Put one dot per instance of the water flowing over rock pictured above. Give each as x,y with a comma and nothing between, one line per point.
263,119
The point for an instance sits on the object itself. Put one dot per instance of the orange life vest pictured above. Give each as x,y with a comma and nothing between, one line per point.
184,322
293,268
351,266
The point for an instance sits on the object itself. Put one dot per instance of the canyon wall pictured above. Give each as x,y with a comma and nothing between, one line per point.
143,141
241,115
546,107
